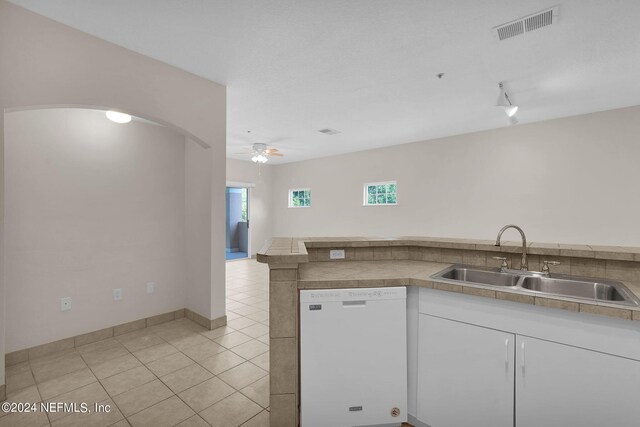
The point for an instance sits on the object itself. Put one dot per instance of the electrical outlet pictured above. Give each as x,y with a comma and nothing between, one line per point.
336,254
65,304
117,294
151,287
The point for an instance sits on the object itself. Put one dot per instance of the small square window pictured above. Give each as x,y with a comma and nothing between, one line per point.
300,198
380,193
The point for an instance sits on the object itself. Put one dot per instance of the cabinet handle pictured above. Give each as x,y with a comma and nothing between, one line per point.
523,357
506,352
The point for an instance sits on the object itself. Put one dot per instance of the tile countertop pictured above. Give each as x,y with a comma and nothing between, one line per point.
294,250
290,252
345,274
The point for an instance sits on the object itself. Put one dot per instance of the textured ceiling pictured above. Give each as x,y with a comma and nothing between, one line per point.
368,67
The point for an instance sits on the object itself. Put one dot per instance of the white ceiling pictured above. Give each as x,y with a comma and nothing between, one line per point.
368,67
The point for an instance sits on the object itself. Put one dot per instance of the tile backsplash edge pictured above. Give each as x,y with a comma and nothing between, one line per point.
286,249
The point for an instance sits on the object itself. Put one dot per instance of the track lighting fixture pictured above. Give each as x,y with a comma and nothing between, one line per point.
504,102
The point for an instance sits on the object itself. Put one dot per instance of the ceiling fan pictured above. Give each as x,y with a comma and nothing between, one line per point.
260,153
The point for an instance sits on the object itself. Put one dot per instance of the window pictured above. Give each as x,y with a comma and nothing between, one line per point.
380,193
300,198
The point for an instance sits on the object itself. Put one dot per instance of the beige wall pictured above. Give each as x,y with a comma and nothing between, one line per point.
91,206
260,221
570,180
44,63
216,158
198,226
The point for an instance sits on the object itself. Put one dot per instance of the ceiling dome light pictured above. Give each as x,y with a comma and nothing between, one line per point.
504,102
118,117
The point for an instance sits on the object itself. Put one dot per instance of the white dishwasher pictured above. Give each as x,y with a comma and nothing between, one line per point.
353,357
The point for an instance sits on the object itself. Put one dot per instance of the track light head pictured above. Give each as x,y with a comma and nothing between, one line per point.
511,110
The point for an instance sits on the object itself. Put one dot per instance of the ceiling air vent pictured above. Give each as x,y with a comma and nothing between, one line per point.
328,131
527,23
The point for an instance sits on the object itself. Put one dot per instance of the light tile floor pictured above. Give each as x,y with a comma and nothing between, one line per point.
175,373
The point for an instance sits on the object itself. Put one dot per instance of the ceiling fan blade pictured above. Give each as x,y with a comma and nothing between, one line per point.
275,154
271,150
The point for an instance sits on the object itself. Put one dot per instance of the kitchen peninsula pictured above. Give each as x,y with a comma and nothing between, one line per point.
304,263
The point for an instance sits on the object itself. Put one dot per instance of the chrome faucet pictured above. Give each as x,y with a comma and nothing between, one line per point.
523,265
545,268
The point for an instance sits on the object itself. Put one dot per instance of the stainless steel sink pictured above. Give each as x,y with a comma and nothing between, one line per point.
484,277
532,282
611,291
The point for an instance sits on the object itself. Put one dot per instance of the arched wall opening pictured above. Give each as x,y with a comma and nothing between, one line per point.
94,207
45,63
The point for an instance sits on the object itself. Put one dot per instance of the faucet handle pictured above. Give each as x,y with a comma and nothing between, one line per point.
546,264
504,264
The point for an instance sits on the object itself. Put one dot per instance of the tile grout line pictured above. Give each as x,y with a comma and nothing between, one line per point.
111,398
258,300
214,375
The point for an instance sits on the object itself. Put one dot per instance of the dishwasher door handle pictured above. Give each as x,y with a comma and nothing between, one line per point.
354,304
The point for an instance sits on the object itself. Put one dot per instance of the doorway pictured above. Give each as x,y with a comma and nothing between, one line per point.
237,223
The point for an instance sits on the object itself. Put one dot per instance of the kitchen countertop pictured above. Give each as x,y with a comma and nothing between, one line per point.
289,252
317,275
294,250
367,270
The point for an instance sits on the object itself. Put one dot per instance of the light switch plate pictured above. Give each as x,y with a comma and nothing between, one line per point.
117,294
336,254
65,304
151,287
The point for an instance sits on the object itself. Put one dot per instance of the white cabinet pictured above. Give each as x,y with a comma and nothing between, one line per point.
465,374
559,385
493,363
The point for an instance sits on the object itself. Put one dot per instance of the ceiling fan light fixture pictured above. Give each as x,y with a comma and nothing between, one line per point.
259,158
260,153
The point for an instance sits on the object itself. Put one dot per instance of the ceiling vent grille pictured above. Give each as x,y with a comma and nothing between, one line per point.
510,30
527,23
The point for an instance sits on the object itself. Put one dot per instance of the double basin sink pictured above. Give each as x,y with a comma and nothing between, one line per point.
540,284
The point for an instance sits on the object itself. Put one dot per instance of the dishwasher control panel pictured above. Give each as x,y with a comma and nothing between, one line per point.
354,294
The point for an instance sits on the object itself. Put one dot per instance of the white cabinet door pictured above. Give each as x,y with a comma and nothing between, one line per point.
560,385
465,374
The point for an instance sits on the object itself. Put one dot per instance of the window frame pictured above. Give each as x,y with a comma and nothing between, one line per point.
290,198
365,196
